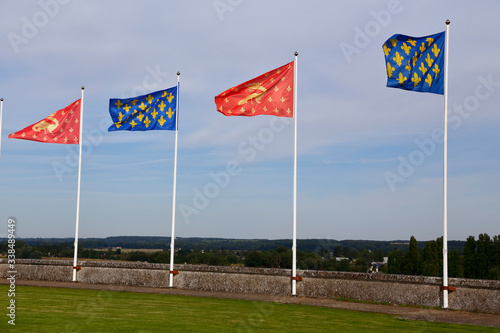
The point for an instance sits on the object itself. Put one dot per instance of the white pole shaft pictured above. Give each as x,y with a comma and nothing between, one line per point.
75,259
1,112
445,173
172,237
294,245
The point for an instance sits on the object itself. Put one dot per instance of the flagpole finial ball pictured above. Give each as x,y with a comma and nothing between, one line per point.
296,53
178,73
83,87
447,22
1,99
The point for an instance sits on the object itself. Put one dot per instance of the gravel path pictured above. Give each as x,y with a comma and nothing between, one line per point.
458,317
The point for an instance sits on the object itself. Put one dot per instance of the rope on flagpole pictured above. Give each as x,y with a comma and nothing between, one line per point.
76,268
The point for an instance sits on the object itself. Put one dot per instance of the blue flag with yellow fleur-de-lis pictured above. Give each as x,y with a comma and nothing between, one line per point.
154,111
415,63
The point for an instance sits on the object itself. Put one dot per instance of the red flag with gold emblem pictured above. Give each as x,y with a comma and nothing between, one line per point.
271,94
62,126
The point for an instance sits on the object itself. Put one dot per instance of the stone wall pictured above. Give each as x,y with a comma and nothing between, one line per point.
471,295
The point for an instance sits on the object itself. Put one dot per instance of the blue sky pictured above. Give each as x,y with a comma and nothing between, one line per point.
370,158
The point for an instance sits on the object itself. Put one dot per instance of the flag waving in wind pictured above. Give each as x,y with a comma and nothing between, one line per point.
62,126
415,63
421,64
271,94
154,111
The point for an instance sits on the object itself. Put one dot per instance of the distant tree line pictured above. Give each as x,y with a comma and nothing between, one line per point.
25,251
480,259
343,259
196,243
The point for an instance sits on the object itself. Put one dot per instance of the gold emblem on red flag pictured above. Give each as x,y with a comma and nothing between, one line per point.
59,127
48,124
258,92
271,91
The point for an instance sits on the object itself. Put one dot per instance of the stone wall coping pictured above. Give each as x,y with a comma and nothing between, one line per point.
397,278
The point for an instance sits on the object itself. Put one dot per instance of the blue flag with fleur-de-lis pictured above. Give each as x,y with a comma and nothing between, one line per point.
415,63
154,111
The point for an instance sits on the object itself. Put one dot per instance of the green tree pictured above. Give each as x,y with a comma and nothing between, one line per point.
395,261
496,250
254,259
455,265
329,265
159,257
469,261
496,257
344,265
484,247
324,252
354,254
412,261
361,265
378,255
308,260
35,255
138,256
337,251
430,264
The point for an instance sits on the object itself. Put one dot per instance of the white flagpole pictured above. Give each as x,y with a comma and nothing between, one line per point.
294,244
1,112
172,237
445,172
75,259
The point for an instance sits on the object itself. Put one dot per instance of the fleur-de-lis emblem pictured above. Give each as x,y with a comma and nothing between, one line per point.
429,79
436,70
422,68
435,50
401,78
415,79
429,60
386,50
390,69
422,48
398,58
406,48
414,58
408,66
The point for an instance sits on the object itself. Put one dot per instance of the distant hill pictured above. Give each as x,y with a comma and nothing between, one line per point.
196,243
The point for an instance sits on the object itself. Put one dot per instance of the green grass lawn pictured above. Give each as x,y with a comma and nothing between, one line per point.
72,310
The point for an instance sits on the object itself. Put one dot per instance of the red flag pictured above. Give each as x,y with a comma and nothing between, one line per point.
62,126
271,93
